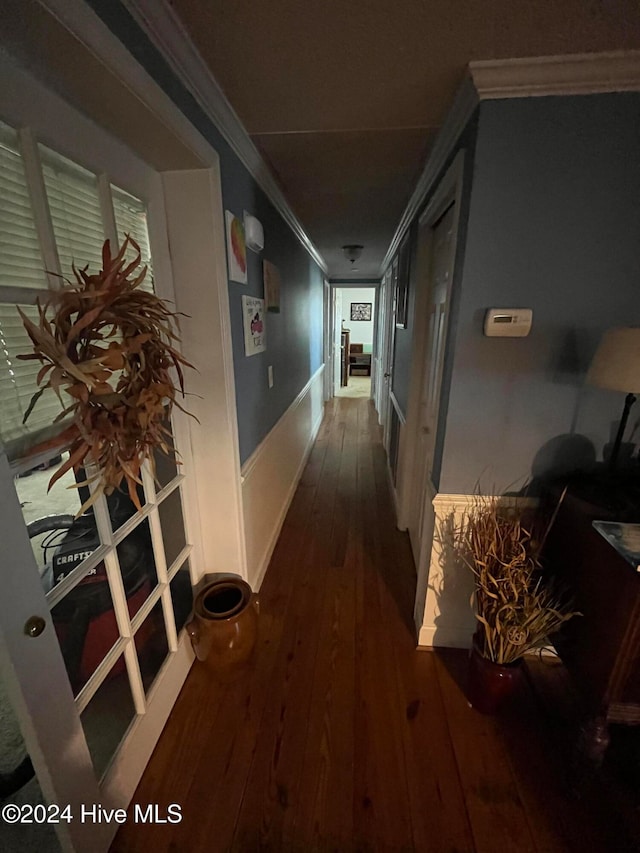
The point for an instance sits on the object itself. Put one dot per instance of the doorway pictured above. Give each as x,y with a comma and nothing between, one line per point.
354,324
436,252
93,650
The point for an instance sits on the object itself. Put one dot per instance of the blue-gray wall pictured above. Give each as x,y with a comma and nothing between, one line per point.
294,337
554,225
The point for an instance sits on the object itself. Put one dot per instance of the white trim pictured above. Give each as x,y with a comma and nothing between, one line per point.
464,104
392,489
396,406
40,206
78,17
573,74
107,211
165,29
196,237
448,191
271,475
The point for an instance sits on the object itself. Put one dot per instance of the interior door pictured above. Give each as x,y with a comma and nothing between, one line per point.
92,651
337,339
435,262
327,311
387,355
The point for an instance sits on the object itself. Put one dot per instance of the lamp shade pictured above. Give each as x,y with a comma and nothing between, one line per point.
616,364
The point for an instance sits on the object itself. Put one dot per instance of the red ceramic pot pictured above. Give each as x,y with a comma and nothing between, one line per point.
491,684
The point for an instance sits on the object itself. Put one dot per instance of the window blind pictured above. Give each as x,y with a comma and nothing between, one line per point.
76,216
21,263
18,385
131,218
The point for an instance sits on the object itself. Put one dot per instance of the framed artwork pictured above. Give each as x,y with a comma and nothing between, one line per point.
271,278
361,311
236,248
255,339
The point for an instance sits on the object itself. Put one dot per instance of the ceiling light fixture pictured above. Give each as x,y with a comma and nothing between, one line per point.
352,252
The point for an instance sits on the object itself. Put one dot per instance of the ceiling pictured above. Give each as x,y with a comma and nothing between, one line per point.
343,97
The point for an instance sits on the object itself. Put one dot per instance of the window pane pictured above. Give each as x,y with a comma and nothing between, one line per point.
181,596
151,645
18,385
75,212
49,515
121,507
21,262
108,715
173,535
84,620
165,463
131,218
137,566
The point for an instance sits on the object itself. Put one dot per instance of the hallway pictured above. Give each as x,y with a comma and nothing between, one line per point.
342,736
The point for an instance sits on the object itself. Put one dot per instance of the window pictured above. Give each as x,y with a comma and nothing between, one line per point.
131,219
74,205
77,212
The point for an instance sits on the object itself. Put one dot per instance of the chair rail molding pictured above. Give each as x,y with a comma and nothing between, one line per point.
168,34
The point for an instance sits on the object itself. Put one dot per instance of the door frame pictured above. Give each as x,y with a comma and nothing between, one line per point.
327,310
412,478
388,345
61,764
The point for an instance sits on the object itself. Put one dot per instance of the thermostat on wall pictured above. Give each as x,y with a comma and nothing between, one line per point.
508,322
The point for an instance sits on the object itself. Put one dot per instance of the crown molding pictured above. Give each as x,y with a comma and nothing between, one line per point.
574,74
463,107
168,34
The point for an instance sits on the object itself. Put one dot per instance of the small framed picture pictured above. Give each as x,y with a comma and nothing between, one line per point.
236,248
254,330
361,310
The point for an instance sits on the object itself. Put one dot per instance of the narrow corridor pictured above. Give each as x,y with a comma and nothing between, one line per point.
343,736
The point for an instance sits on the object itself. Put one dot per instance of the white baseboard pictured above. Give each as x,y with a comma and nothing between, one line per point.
271,475
453,637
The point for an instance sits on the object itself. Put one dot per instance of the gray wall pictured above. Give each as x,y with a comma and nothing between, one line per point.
554,225
294,337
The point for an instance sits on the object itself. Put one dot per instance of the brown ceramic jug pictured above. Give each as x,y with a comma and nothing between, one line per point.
224,626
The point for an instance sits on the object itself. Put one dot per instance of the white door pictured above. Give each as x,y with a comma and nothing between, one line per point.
388,350
327,311
92,654
337,339
436,256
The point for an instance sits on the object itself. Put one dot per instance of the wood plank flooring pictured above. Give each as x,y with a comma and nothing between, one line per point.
343,736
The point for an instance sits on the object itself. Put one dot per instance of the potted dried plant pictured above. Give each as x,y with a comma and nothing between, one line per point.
517,608
110,346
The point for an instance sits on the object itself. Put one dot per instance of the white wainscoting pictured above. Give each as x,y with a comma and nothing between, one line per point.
271,474
449,617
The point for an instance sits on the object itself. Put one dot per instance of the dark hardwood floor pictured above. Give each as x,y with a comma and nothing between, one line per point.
343,736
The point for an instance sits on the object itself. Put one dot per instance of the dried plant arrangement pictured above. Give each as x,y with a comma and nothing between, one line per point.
109,346
516,606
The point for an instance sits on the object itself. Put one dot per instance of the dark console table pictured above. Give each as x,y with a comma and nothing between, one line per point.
601,648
